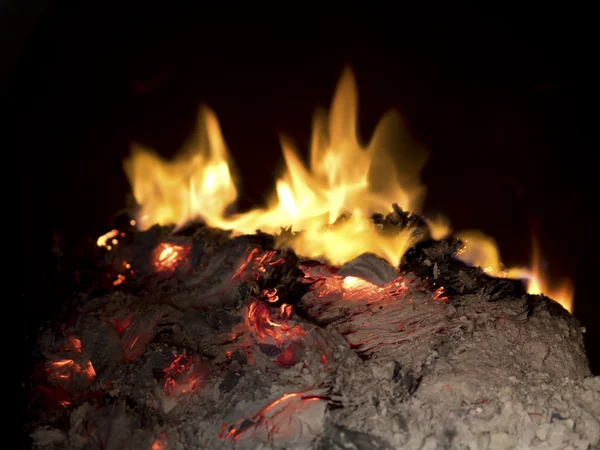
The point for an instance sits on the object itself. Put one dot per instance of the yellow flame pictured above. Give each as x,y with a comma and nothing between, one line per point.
342,176
482,251
562,292
439,227
198,182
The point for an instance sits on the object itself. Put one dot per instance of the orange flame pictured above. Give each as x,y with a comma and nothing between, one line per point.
343,176
482,251
539,284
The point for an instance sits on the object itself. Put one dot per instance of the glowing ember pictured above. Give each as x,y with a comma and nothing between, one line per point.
343,176
89,370
64,369
159,442
120,280
359,283
259,320
72,344
183,375
271,295
103,240
167,256
292,417
121,324
61,363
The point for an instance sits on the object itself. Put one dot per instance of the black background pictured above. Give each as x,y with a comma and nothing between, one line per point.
499,97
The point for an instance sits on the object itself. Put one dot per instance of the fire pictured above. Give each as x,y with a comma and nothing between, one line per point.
327,203
482,251
199,183
343,176
538,284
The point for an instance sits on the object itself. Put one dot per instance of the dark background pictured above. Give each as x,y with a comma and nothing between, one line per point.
499,97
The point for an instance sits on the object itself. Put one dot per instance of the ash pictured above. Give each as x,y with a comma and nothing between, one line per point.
194,339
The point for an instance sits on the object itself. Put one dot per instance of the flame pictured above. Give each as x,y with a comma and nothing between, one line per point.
539,284
482,251
198,183
342,176
439,227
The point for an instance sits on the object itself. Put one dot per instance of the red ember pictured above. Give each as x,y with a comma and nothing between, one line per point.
260,322
183,375
159,442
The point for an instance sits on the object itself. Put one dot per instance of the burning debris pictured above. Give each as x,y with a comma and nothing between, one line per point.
286,352
352,330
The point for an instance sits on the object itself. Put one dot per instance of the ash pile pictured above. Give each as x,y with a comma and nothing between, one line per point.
197,340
